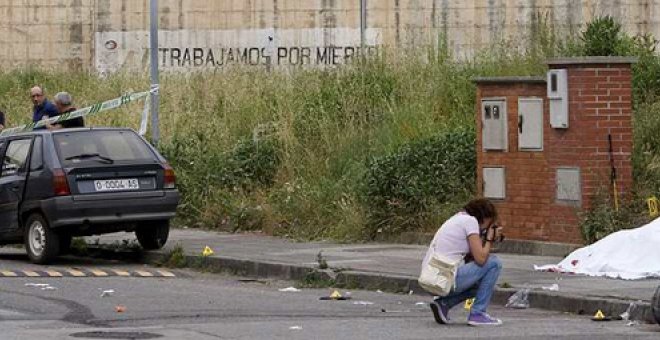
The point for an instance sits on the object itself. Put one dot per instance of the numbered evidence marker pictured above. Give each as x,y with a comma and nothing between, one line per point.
652,203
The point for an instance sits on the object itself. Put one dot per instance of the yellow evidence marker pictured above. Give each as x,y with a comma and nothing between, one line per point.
599,316
335,295
469,303
207,251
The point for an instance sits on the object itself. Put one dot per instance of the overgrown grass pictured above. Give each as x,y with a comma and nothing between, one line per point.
289,152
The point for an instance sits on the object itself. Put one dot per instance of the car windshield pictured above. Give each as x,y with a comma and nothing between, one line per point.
105,147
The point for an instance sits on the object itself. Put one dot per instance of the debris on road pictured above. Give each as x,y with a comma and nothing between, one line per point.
120,309
421,304
519,300
289,289
363,303
383,310
628,314
554,287
107,292
295,328
42,286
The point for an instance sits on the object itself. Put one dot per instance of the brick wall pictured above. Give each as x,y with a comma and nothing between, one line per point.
599,104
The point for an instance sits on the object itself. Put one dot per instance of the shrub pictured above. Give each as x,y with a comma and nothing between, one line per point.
602,37
251,163
602,219
646,151
213,184
401,187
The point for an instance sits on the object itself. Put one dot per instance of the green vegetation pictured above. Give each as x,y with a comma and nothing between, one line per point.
381,146
176,258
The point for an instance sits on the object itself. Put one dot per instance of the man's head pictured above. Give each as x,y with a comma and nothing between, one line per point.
37,95
62,101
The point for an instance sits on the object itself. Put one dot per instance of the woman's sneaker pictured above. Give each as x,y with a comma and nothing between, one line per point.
482,319
440,312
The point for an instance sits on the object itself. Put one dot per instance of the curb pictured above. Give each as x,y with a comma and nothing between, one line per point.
567,303
511,246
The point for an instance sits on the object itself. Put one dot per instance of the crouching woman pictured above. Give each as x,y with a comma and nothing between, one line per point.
459,238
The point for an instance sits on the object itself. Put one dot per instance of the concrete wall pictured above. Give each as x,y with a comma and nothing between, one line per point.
107,35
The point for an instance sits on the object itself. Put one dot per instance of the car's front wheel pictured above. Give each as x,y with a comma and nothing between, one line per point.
153,235
42,243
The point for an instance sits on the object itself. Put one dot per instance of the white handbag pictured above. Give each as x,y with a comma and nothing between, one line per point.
438,276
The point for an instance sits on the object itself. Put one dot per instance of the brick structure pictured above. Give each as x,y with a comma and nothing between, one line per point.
599,104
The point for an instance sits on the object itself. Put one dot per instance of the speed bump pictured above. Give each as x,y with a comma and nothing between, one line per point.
78,272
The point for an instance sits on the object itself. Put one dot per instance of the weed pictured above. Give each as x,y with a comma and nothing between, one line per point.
176,258
315,279
323,264
79,246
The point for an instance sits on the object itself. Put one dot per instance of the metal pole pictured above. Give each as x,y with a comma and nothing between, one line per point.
155,130
363,24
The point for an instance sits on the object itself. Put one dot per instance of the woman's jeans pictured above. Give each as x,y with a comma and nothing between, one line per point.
473,281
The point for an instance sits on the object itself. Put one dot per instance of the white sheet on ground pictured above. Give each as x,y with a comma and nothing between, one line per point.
627,254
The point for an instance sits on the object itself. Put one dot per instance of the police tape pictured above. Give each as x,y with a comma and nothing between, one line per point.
92,110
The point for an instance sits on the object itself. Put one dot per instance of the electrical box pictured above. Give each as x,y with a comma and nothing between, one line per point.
494,183
568,185
558,97
493,118
530,124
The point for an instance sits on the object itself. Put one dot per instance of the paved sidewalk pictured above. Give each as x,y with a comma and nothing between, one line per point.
396,265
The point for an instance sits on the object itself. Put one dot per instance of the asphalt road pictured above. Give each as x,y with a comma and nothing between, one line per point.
201,306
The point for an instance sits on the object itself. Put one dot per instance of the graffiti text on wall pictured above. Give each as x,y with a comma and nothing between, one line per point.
294,56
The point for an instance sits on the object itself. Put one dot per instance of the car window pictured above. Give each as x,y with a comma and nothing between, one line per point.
15,157
36,161
92,147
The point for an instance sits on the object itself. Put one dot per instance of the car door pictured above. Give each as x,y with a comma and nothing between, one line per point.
13,175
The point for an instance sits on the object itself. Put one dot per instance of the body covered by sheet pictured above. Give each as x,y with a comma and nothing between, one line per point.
627,254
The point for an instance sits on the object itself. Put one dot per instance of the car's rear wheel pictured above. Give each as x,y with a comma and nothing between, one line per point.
42,243
655,305
153,235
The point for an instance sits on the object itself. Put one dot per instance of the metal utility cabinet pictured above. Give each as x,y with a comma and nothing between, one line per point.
543,143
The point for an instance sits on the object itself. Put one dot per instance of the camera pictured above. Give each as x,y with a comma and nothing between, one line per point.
484,234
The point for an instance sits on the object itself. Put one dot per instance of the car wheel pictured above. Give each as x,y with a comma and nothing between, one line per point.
42,243
655,305
153,235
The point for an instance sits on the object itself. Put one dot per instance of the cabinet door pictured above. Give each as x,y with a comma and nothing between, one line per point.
530,124
493,118
494,183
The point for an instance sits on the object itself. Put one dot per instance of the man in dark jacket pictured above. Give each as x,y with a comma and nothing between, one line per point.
43,108
2,120
64,105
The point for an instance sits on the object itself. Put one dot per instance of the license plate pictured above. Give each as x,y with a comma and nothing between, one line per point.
117,184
